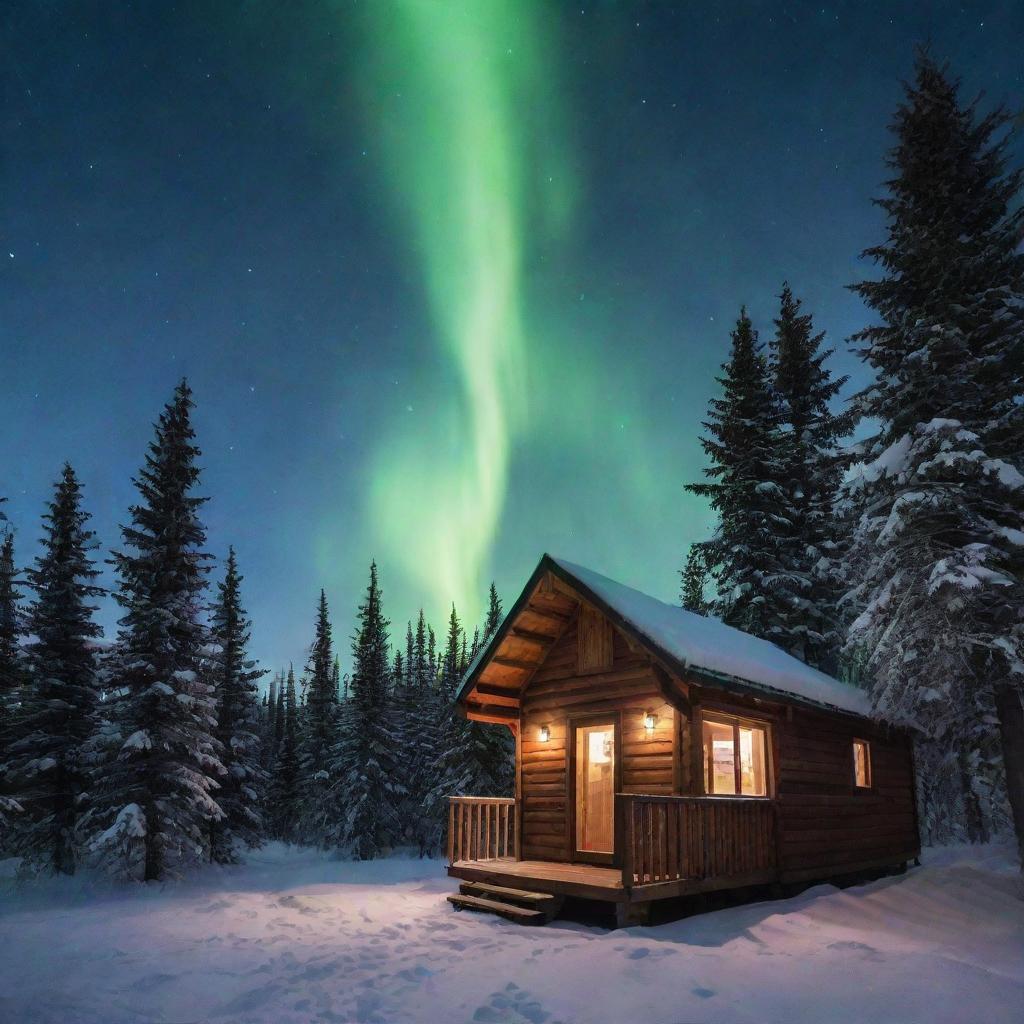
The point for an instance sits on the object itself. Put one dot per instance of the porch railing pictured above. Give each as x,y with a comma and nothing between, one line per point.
481,827
669,838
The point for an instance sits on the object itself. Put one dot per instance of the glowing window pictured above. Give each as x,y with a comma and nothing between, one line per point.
735,758
862,764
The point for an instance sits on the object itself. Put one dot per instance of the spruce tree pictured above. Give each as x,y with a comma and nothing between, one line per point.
283,791
806,593
494,614
270,721
235,678
157,795
279,714
743,443
473,758
935,581
57,706
11,668
10,656
366,758
421,737
694,581
318,789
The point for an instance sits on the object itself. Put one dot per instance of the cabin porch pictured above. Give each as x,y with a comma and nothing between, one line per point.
664,847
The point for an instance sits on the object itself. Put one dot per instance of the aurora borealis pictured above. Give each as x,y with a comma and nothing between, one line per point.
451,280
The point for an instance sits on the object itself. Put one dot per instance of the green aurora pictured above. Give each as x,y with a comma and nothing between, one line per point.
471,121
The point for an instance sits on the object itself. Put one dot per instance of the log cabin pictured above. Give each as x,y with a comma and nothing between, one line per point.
660,754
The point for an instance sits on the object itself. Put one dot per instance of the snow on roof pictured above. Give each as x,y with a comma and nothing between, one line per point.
704,643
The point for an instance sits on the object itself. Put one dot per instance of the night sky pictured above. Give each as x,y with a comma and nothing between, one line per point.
451,281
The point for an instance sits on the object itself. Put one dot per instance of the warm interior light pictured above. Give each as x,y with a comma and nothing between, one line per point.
545,734
650,721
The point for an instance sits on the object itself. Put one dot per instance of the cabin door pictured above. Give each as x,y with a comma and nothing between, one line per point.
595,770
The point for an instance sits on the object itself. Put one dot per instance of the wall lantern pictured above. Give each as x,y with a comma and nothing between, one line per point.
650,720
545,733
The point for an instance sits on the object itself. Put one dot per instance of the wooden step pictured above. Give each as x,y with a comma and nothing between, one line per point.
523,915
540,900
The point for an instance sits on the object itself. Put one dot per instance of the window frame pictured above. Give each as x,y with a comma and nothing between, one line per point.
868,770
736,722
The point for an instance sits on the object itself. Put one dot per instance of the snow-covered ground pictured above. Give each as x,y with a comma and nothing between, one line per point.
294,936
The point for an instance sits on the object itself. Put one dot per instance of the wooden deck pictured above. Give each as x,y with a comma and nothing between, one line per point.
588,881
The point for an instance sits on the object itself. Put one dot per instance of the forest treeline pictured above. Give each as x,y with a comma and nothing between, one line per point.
895,560
157,750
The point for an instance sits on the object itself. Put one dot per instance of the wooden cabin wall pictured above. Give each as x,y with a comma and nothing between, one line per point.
825,823
558,690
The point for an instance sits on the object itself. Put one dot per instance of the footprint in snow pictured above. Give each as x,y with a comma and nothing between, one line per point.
513,1005
869,952
152,981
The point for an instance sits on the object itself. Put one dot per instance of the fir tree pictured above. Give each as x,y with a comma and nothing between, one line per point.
472,757
743,444
935,504
235,678
56,717
284,783
156,795
420,718
494,614
270,720
319,733
10,657
279,714
366,757
806,593
694,581
11,668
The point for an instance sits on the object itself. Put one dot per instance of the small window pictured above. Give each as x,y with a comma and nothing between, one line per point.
862,764
735,758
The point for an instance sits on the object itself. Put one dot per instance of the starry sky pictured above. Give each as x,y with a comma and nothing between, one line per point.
450,280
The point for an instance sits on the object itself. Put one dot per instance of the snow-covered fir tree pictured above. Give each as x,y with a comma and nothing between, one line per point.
369,753
694,581
934,574
318,787
743,443
235,678
45,757
283,788
156,797
806,592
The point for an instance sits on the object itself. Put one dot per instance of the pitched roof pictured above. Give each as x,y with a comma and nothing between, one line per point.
690,643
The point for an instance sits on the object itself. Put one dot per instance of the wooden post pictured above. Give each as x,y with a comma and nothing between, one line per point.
451,831
624,837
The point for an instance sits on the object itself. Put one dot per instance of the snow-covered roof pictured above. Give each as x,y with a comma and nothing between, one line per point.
706,644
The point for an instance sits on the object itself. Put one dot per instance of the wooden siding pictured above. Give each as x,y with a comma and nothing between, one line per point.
559,692
825,823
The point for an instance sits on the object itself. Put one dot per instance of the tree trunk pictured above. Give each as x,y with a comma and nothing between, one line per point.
1010,711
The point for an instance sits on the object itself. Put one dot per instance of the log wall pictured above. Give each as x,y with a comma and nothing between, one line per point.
559,691
824,822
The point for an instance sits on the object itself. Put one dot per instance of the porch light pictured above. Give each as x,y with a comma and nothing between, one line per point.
650,720
545,733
